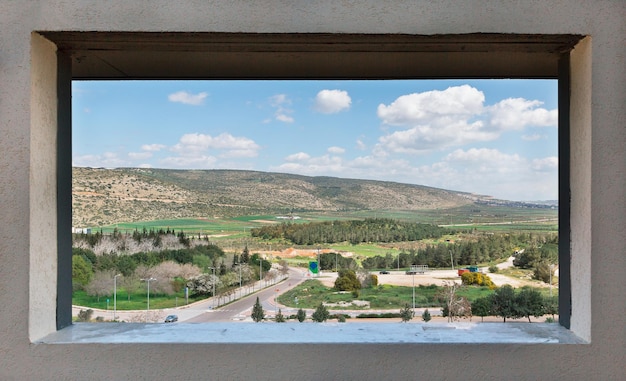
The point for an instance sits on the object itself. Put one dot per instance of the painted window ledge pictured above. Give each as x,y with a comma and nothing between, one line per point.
314,333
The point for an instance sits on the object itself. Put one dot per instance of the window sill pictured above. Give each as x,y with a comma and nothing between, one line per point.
314,333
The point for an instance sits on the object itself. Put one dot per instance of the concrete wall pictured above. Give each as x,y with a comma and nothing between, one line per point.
28,217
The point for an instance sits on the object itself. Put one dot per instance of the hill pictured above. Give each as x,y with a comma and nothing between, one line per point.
107,196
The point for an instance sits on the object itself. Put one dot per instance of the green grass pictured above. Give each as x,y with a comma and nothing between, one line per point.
312,292
365,249
138,301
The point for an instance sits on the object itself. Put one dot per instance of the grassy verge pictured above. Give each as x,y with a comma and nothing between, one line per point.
138,301
312,292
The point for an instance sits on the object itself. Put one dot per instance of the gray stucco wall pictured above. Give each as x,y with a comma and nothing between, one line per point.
27,186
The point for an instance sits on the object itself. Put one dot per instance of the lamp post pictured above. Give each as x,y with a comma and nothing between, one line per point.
240,289
213,281
551,271
413,275
115,296
148,280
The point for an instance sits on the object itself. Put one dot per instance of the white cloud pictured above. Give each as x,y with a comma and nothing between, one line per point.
436,120
360,145
438,135
188,98
139,155
152,147
300,156
478,170
492,172
105,160
189,162
332,101
279,101
517,113
336,150
422,108
229,146
281,116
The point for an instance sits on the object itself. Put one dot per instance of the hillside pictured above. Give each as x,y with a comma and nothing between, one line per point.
106,196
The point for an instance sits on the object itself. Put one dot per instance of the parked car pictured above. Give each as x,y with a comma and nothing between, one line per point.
384,272
171,318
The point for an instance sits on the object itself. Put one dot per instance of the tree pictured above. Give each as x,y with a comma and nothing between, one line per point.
81,271
301,315
406,313
503,302
529,301
245,255
426,316
543,271
482,307
551,305
203,284
280,318
347,281
321,314
257,311
453,306
101,284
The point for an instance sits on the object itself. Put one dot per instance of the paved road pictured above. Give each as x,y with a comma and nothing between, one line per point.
241,308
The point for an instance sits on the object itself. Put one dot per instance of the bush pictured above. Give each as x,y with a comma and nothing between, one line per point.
406,313
301,315
426,316
321,314
347,281
478,279
280,318
493,269
341,318
85,316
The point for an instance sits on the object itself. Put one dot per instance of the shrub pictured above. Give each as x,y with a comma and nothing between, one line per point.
301,315
493,269
478,279
426,316
321,314
85,316
280,318
406,313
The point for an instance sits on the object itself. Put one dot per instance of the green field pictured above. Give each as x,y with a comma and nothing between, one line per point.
312,292
138,300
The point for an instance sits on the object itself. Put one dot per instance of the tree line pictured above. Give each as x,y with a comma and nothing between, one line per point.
483,249
353,231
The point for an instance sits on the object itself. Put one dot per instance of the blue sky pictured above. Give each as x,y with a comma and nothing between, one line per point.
491,137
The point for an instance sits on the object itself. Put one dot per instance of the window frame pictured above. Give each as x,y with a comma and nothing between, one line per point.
101,55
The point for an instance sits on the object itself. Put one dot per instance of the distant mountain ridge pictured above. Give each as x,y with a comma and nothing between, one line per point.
106,196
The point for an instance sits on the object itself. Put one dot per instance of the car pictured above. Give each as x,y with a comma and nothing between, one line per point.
171,318
384,272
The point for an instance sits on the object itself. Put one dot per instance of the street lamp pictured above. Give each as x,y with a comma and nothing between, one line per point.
213,281
115,296
240,289
148,280
551,271
413,274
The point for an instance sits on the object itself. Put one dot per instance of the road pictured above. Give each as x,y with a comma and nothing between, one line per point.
241,308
